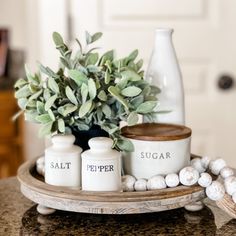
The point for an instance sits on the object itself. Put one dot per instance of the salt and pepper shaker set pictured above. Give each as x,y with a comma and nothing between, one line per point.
99,167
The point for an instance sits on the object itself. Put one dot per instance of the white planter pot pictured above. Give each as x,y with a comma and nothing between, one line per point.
101,166
62,162
160,152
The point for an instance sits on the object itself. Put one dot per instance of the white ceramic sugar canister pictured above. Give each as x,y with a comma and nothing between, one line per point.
159,149
101,166
62,162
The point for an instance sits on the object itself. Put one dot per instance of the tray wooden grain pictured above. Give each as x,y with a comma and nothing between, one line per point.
72,199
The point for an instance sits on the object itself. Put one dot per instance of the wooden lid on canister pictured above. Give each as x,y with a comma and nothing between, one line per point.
156,132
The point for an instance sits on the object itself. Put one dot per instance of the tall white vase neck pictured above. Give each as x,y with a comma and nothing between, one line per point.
164,72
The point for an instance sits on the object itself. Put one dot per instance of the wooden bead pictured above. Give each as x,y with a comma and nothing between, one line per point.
156,182
188,176
172,180
40,169
215,191
140,185
197,164
40,161
205,160
226,172
230,185
205,180
216,166
128,183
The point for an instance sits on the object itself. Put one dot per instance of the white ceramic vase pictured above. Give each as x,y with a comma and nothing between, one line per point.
164,72
62,162
101,166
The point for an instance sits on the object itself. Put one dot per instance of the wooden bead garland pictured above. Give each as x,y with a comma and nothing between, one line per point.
188,176
156,182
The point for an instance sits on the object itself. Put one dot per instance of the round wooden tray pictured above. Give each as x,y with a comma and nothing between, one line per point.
71,199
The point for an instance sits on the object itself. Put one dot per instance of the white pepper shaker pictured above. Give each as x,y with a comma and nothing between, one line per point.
62,162
101,166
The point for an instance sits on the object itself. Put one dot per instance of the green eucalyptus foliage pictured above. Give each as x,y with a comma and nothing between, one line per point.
88,89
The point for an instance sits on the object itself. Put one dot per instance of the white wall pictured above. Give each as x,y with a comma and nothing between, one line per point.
31,23
12,16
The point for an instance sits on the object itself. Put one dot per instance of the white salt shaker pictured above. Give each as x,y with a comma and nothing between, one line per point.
62,162
101,166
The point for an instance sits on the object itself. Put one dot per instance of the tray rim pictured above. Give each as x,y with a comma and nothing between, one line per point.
26,179
76,200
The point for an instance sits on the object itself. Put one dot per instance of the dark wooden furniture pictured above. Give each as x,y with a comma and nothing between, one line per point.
11,135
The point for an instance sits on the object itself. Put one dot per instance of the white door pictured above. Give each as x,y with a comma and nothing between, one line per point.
205,42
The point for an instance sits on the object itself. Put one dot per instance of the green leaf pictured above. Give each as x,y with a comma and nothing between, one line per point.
115,92
122,83
102,95
48,71
58,40
35,95
70,95
110,128
106,56
82,126
91,59
45,118
92,89
31,78
61,125
40,107
93,68
108,64
46,94
137,101
107,77
53,85
65,62
22,102
49,103
78,77
30,115
84,92
45,129
85,108
31,104
132,56
130,75
131,91
139,64
96,36
20,83
80,45
88,37
146,107
106,110
67,109
132,118
51,114
125,145
23,92
33,88
155,90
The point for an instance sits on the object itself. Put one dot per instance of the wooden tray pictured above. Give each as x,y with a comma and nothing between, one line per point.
71,199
